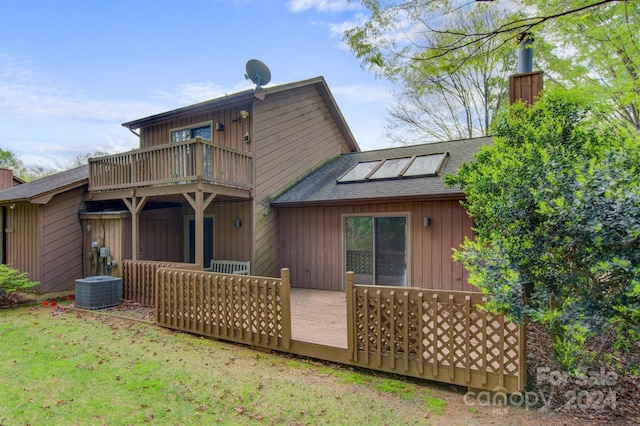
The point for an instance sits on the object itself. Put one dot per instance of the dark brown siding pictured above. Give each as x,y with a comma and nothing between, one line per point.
6,178
110,231
311,243
161,234
294,133
61,242
232,243
231,136
23,239
526,87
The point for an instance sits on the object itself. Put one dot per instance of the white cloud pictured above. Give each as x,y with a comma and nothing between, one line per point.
297,6
24,93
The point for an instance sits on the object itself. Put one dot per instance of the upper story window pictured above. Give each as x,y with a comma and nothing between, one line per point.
187,133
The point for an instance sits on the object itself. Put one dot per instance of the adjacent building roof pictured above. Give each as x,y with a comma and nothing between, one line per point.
40,191
322,186
256,95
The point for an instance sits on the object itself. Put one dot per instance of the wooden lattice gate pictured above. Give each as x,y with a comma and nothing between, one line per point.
435,335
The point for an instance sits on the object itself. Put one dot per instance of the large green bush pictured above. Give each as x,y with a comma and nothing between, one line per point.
556,207
12,280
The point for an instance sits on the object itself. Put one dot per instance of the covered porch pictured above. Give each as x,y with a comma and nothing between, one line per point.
196,175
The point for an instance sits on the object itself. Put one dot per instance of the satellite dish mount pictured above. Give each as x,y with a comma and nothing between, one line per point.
258,73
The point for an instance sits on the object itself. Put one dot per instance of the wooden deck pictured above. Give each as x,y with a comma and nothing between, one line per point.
430,334
319,317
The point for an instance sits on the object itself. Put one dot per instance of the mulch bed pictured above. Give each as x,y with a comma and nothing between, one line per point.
602,396
135,310
14,300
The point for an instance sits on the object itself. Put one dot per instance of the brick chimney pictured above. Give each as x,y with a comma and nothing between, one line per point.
527,84
6,178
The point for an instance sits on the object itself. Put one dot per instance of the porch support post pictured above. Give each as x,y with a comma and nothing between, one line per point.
135,206
199,204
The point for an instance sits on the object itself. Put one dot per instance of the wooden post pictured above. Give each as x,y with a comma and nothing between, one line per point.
522,355
135,207
352,348
285,299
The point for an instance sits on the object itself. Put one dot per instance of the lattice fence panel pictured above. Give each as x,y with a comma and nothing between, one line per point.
245,309
139,276
441,335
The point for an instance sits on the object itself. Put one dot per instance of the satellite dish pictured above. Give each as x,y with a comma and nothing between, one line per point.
258,73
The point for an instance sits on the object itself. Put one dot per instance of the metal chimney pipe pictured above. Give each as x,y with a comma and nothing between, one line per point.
525,54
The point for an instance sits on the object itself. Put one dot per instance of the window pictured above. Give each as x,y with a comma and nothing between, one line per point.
359,172
395,168
180,135
376,249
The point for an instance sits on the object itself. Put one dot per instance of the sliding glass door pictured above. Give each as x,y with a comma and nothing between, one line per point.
376,249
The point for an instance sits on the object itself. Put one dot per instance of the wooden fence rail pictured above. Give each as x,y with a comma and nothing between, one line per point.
139,277
170,164
435,335
251,310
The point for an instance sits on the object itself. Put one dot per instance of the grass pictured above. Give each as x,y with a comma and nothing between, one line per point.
68,367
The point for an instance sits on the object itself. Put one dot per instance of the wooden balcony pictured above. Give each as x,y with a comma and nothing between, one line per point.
195,160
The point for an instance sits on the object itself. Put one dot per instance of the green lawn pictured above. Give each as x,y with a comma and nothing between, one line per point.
68,367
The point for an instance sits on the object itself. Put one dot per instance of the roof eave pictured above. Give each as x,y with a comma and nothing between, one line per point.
455,195
252,94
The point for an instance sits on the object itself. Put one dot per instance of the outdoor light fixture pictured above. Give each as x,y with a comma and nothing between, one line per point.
237,223
427,221
244,114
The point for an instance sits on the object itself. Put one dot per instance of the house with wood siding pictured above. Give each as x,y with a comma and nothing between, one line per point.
385,214
198,188
272,176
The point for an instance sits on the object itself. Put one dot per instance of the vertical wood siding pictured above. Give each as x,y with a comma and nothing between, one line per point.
106,230
231,243
293,133
161,233
6,178
23,239
311,243
231,136
61,242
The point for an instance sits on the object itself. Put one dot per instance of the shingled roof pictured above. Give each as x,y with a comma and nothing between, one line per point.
321,186
40,191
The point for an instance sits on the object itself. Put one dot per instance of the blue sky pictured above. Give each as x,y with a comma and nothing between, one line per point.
72,71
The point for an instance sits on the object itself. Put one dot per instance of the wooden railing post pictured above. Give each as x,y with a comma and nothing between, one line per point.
352,347
199,171
285,299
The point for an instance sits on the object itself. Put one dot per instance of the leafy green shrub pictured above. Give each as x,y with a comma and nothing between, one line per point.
12,280
556,205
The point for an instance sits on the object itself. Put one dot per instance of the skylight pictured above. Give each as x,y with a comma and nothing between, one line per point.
395,168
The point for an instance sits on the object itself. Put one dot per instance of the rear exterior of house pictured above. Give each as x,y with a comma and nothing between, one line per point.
198,188
252,176
385,215
201,183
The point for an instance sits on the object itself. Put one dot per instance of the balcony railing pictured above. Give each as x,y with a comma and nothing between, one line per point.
183,162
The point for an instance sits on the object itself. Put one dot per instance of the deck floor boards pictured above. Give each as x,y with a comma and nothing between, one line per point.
319,316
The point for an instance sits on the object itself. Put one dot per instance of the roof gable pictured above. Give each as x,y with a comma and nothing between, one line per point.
256,96
40,191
